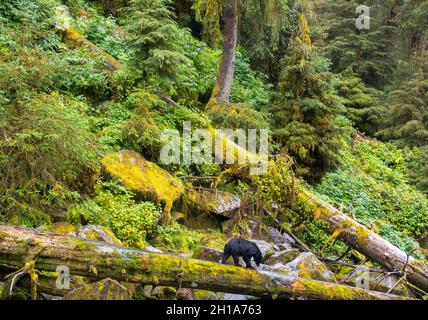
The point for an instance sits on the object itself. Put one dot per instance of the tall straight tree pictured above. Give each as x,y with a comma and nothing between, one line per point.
211,12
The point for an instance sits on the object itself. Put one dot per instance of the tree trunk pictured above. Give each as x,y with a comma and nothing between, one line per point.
368,242
97,260
223,87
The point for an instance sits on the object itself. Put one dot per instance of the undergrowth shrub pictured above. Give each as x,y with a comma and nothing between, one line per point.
114,206
46,152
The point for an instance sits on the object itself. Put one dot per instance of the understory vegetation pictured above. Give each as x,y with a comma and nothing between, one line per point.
347,113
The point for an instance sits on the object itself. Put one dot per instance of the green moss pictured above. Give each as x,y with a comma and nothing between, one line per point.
362,234
82,245
145,178
61,228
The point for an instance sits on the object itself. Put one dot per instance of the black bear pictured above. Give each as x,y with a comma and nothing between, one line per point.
238,247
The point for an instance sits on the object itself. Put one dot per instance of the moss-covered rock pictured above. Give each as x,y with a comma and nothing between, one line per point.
144,178
284,257
307,265
195,294
64,228
98,233
106,289
203,222
204,295
212,202
164,293
207,254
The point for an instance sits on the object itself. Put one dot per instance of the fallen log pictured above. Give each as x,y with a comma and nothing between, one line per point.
74,39
96,260
368,242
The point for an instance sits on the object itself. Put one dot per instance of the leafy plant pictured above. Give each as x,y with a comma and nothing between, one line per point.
113,206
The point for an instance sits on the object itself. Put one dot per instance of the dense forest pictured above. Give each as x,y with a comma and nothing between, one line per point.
95,95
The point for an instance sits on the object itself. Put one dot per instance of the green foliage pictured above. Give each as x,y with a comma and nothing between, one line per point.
32,13
45,150
196,84
113,206
367,52
411,20
102,31
248,86
176,237
418,168
372,181
269,14
305,112
407,123
363,104
153,35
108,121
266,42
237,116
140,132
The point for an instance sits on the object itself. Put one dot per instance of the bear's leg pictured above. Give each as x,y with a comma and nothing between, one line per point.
247,260
236,260
226,254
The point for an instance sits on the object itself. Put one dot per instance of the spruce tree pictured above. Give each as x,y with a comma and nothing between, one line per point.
368,52
363,103
154,37
304,115
407,124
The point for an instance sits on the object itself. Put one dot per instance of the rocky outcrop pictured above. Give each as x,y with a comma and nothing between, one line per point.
305,265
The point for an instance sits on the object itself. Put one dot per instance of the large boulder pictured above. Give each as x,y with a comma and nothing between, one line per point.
282,239
144,177
207,254
106,289
307,265
220,203
283,257
98,233
266,248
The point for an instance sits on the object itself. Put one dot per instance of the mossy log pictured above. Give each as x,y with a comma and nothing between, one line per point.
95,260
74,39
367,242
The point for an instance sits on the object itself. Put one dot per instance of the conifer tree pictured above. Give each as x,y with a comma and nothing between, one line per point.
363,103
407,124
154,37
368,52
305,113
